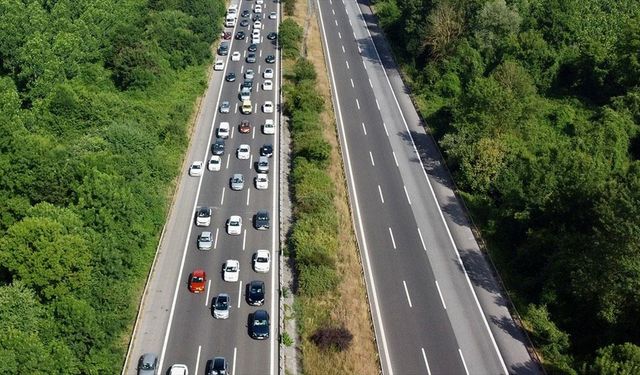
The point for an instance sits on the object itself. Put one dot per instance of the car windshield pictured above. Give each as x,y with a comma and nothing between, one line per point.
260,322
261,260
221,304
256,289
197,279
231,269
203,213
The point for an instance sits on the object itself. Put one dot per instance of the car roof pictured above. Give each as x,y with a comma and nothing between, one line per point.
261,314
235,217
206,234
263,252
232,262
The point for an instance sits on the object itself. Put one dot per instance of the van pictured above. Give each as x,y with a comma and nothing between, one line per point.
246,107
245,93
230,20
223,130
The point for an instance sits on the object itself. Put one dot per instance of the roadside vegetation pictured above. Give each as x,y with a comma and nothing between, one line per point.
536,106
332,313
95,100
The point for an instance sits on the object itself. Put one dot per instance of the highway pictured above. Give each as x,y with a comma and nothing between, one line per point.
432,312
174,323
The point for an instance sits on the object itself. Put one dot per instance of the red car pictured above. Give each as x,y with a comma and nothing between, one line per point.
197,281
245,127
226,35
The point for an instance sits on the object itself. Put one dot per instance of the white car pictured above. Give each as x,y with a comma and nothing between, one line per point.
257,25
219,65
196,169
257,8
269,127
263,164
214,163
235,56
260,2
234,225
267,107
231,270
244,152
223,130
262,181
249,74
273,15
268,73
255,39
262,261
179,370
267,85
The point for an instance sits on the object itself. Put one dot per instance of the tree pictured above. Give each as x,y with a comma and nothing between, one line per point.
617,360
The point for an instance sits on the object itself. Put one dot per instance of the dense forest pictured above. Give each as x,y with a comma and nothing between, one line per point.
536,105
95,99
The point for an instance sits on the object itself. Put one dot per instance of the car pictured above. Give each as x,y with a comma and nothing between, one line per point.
255,296
262,181
257,24
269,127
148,364
230,77
223,130
203,217
225,107
245,13
249,74
218,147
220,306
231,270
255,33
234,225
245,93
257,8
262,165
243,152
237,181
256,17
267,107
205,241
273,15
244,23
244,127
195,170
272,35
261,220
260,2
251,58
197,281
215,163
246,107
259,325
236,56
219,65
255,39
179,369
266,150
226,35
217,366
262,261
267,85
252,47
270,59
223,49
248,83
240,35
268,73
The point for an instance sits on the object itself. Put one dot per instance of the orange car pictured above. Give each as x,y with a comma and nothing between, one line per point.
197,281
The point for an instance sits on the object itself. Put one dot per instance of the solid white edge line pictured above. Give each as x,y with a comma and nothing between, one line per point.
406,290
233,368
239,294
395,159
463,361
206,301
380,191
426,363
404,120
441,297
407,194
198,359
393,240
382,340
422,240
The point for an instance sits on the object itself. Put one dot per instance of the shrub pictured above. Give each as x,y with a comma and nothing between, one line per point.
315,281
332,338
312,146
304,69
290,38
286,339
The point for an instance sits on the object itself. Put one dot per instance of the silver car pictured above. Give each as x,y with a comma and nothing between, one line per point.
205,241
148,364
237,181
225,107
220,306
263,164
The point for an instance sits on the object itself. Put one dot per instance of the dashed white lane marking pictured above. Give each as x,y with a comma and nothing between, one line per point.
236,108
394,158
198,358
215,242
380,191
239,293
407,292
466,370
250,161
385,129
358,103
244,239
233,368
352,85
422,240
371,156
393,240
441,298
333,11
359,50
253,134
336,21
228,157
208,291
426,363
347,64
222,198
233,128
339,35
364,129
407,194
343,50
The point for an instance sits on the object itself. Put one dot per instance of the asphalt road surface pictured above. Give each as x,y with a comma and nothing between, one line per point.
436,305
174,323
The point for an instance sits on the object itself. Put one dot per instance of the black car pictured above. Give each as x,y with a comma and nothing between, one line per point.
223,50
266,150
255,297
252,47
245,13
270,59
256,17
218,147
244,23
272,36
217,366
231,77
251,57
261,221
259,326
240,35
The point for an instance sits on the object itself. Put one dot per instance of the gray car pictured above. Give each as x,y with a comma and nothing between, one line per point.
225,106
205,241
148,364
263,164
237,181
220,305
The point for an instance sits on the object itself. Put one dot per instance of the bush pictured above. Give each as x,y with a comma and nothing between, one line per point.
312,146
553,343
304,69
315,281
290,38
332,338
286,339
289,7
